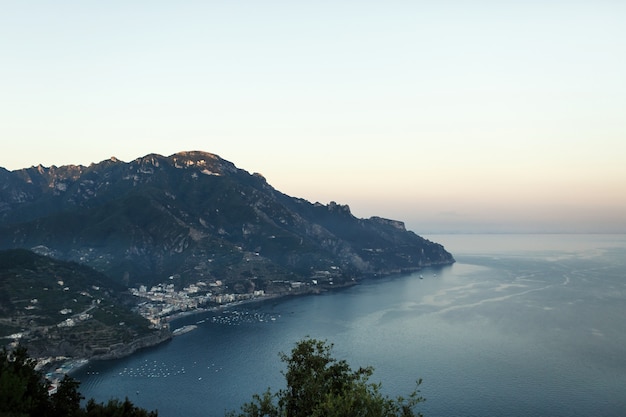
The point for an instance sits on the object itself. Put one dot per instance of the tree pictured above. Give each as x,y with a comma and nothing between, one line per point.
66,401
21,390
319,385
24,393
116,408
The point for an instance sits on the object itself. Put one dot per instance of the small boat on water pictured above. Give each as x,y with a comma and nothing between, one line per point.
184,329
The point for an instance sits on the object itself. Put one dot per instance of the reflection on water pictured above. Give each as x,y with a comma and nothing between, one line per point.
520,325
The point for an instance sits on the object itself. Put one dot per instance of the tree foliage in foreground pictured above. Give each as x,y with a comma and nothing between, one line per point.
319,385
24,393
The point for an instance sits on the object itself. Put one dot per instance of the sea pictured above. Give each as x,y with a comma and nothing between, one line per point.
520,325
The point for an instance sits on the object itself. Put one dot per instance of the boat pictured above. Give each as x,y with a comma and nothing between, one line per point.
184,329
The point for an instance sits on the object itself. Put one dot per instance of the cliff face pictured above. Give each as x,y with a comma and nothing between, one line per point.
76,345
124,349
194,216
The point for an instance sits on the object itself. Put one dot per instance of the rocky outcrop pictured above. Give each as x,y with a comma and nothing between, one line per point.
125,349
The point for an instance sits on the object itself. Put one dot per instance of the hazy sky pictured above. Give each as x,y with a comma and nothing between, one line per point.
449,115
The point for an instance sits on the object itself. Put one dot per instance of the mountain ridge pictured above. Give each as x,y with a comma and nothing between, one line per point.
195,216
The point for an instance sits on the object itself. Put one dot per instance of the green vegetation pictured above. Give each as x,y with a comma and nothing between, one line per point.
63,308
24,393
320,385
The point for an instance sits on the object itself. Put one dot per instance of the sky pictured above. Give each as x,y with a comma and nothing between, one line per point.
452,116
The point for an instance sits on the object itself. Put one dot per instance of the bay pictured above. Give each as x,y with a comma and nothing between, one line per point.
520,325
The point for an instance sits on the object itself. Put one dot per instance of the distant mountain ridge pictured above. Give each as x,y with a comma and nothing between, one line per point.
195,216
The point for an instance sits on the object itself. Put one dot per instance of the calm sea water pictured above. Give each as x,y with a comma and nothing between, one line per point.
520,325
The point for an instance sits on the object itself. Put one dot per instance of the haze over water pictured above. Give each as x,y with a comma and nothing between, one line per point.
520,325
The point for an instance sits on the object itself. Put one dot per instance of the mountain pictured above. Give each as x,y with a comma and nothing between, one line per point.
59,308
194,216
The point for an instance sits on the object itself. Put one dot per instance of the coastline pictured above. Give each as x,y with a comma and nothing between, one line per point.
260,299
71,365
167,333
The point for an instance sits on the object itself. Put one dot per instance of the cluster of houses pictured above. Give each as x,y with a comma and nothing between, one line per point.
162,300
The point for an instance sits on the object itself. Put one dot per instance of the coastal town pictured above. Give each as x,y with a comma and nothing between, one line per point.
160,304
163,302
